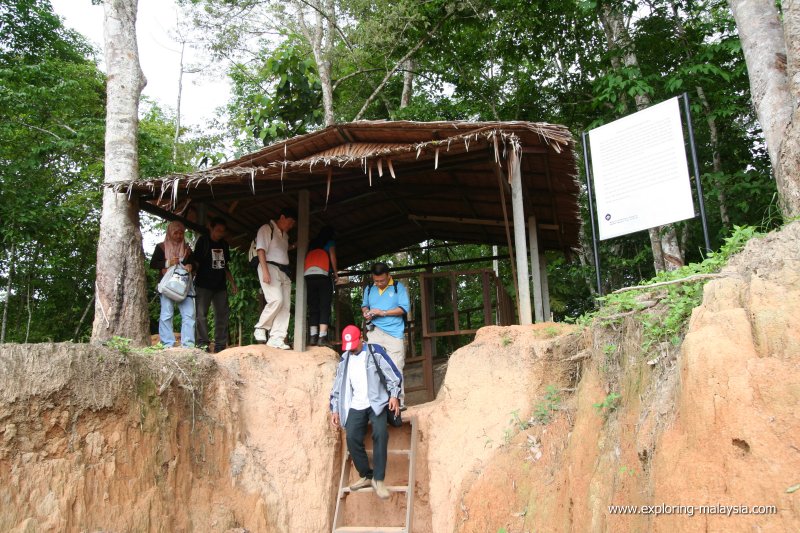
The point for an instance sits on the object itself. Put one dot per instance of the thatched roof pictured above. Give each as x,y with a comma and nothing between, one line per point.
387,185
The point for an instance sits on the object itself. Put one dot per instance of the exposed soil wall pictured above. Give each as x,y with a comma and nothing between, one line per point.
713,422
95,440
525,434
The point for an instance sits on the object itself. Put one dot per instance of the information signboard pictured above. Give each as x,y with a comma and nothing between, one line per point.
641,179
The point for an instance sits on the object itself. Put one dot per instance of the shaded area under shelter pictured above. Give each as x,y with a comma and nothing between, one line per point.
387,185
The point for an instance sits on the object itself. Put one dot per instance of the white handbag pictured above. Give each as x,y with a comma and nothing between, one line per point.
176,283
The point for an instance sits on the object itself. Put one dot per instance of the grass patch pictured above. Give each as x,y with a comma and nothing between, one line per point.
667,322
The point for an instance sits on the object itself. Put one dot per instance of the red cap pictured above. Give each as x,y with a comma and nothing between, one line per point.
351,337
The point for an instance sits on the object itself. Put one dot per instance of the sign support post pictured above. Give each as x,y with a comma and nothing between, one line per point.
699,186
591,214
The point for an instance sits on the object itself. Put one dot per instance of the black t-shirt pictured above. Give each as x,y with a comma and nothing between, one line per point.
213,257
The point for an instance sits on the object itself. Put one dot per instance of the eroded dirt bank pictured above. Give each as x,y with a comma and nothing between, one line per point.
715,421
525,434
96,440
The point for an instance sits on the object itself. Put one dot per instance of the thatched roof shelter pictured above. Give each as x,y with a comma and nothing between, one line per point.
387,185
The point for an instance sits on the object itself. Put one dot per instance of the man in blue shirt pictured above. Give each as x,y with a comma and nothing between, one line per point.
384,307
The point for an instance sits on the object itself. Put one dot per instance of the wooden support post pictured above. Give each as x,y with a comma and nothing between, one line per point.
486,282
520,246
303,210
545,286
536,273
202,214
454,302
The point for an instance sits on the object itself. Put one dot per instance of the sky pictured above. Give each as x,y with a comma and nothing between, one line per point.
159,55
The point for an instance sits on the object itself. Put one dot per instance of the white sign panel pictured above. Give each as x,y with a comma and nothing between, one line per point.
641,178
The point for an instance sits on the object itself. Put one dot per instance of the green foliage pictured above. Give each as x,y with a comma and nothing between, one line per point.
543,410
677,302
51,152
280,96
608,405
121,344
516,421
52,125
244,306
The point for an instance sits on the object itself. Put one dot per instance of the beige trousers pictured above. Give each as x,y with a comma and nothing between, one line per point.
278,294
396,348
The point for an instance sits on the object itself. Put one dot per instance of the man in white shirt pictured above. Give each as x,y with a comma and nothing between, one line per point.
366,387
272,246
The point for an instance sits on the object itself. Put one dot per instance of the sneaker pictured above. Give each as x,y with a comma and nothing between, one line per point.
278,343
314,340
380,489
323,341
260,336
362,483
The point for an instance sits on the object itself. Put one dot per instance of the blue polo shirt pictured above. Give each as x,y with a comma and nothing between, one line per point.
393,325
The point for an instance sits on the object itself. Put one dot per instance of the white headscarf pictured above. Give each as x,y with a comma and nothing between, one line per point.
174,248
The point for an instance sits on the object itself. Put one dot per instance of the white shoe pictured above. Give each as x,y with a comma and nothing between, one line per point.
380,489
362,483
260,335
278,343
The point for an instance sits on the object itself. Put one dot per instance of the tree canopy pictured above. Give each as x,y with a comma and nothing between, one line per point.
296,66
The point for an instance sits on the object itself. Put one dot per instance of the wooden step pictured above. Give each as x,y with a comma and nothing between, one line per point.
407,490
389,452
391,488
370,529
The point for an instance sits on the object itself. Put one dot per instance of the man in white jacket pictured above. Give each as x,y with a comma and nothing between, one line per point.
359,397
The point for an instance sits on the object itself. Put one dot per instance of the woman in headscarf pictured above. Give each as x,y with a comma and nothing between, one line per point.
172,251
320,276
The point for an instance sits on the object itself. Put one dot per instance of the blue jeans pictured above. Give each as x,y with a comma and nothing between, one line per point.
186,308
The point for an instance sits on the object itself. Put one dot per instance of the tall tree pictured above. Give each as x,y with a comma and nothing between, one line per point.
121,297
51,128
772,52
667,253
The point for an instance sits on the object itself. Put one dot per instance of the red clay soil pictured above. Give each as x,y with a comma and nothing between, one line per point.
93,439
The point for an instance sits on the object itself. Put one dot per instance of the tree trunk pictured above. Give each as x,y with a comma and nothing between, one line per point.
120,288
663,239
789,186
178,108
716,157
321,38
11,263
408,84
712,128
764,43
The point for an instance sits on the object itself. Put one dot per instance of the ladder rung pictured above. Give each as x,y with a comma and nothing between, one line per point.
416,359
392,452
390,488
370,529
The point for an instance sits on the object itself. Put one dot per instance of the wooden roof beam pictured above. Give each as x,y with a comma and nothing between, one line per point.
169,215
474,221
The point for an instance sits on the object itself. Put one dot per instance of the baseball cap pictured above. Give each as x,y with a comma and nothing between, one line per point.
351,336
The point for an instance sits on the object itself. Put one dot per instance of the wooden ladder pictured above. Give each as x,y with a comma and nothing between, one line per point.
408,490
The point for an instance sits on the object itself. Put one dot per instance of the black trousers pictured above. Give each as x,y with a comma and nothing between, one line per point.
356,428
219,299
320,296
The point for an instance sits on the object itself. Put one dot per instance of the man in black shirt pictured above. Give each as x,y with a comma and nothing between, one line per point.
213,254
